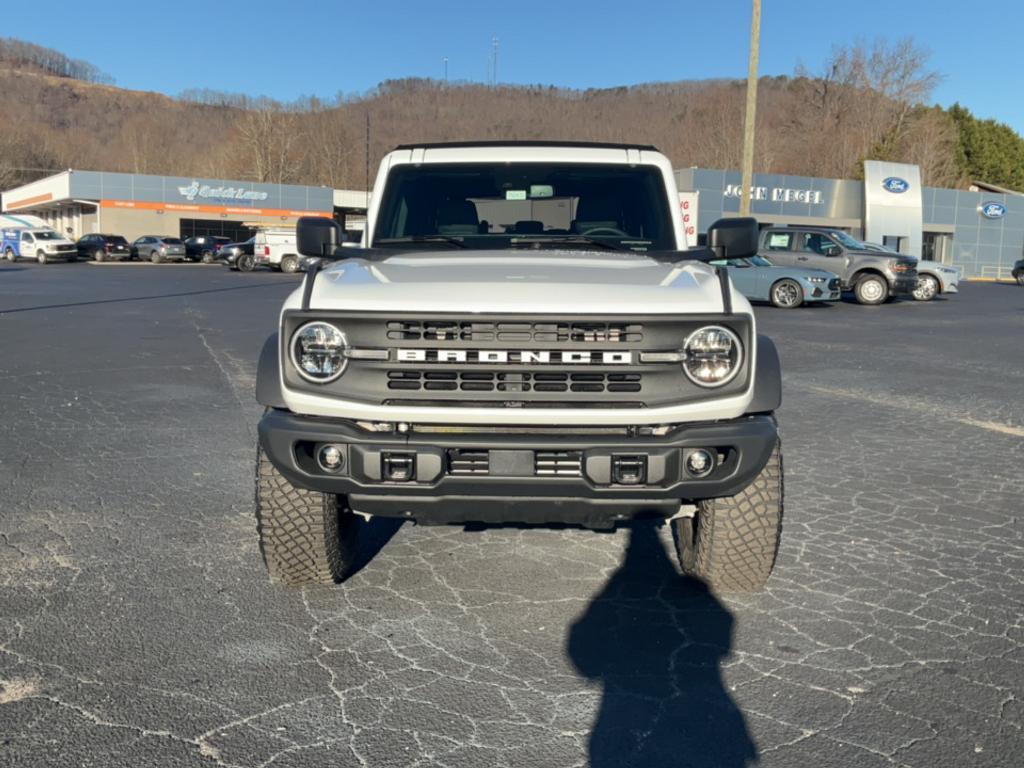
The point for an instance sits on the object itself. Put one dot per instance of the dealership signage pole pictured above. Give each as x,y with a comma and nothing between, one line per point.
749,120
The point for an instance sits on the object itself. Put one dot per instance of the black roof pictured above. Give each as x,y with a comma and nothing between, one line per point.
531,143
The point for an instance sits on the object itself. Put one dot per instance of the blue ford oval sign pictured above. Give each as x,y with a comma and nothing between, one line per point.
896,185
992,210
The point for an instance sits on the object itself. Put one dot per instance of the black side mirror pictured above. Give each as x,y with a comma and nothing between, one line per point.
734,238
318,236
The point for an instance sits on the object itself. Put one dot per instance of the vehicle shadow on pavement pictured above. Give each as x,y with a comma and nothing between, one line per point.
655,640
374,534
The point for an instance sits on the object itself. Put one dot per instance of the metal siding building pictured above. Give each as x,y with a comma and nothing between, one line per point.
948,223
80,202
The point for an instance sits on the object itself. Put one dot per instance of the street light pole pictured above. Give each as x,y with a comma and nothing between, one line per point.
751,114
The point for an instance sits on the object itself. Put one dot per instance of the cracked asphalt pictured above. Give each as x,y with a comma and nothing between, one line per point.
138,628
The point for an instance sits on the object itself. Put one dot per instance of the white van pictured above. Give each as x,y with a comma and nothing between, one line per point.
277,249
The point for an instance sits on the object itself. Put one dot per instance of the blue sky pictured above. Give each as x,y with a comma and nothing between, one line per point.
308,47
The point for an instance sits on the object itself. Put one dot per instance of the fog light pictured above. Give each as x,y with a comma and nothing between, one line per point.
700,462
331,457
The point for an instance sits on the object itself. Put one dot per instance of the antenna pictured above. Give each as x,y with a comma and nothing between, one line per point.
494,61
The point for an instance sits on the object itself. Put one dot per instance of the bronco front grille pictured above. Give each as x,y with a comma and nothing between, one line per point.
507,381
481,331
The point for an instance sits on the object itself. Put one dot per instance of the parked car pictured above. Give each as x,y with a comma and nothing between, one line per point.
277,249
103,247
239,255
43,244
933,277
204,247
157,248
1018,272
873,277
785,287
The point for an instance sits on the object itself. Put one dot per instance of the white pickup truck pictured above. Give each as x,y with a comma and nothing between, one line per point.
521,338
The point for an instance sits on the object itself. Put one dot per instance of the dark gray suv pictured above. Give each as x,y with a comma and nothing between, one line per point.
873,276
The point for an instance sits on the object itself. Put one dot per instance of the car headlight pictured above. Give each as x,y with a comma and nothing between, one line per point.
817,279
318,352
712,356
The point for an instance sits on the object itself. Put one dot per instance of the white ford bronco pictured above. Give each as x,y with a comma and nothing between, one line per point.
520,338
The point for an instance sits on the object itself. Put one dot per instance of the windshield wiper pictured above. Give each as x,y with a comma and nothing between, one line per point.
536,242
423,239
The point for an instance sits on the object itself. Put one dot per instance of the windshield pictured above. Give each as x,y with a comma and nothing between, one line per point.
47,234
505,205
846,240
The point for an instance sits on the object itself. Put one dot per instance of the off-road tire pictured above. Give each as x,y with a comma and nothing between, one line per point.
786,294
290,264
155,257
731,543
306,537
871,289
246,262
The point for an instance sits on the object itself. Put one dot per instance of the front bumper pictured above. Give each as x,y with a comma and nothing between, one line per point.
544,476
903,285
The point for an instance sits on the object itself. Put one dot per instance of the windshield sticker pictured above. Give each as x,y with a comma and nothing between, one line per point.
515,194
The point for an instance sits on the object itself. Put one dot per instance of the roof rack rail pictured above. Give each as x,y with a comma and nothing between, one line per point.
529,143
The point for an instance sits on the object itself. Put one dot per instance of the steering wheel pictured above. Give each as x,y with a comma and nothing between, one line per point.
605,231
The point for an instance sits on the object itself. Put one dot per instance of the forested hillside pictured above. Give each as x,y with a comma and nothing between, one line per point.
865,101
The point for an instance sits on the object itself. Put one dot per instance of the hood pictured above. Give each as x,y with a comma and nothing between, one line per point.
490,281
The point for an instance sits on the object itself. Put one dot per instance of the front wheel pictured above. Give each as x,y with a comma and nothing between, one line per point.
306,537
927,288
41,257
871,289
731,543
787,294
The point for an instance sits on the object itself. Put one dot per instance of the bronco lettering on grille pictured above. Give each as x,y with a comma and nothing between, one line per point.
512,357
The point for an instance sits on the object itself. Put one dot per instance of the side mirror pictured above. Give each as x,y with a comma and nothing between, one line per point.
318,236
734,238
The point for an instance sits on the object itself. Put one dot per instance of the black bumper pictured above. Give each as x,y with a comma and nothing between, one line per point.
903,285
537,477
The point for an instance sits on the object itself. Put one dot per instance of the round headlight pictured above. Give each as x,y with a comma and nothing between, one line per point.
712,356
318,352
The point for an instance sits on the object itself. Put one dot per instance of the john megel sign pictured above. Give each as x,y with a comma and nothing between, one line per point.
778,194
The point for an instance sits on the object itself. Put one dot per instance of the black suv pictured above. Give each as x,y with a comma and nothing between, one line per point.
204,247
103,247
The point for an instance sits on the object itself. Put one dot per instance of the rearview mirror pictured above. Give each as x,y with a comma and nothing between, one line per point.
733,238
318,236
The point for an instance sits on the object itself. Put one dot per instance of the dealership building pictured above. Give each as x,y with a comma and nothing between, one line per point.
130,204
980,230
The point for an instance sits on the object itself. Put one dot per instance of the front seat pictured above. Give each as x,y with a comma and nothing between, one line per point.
457,217
597,212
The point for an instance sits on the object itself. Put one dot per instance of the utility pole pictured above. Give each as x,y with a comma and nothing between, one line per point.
445,60
751,115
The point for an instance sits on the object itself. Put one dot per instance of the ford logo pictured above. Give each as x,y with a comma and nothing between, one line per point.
896,185
992,210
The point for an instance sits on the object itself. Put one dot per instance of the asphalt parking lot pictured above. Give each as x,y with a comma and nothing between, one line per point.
137,625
